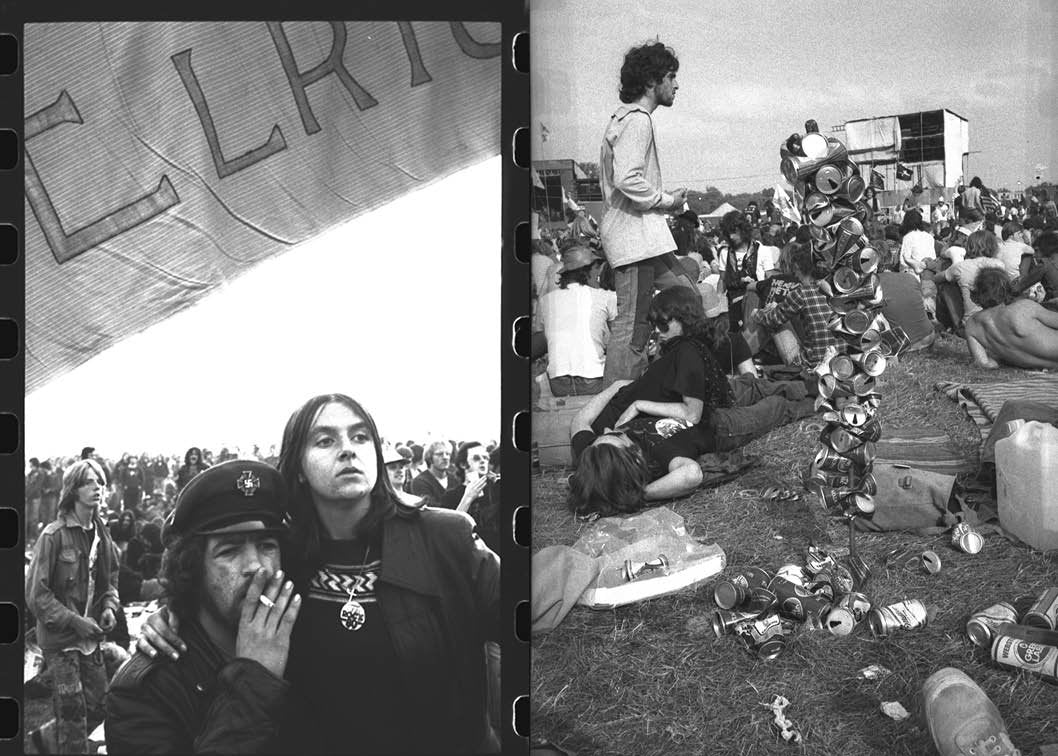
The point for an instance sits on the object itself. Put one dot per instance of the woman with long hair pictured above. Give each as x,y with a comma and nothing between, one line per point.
194,463
399,600
917,245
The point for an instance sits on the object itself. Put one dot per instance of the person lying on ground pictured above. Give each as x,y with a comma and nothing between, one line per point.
618,471
1016,332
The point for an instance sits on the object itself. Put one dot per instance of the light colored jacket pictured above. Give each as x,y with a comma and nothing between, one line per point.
633,226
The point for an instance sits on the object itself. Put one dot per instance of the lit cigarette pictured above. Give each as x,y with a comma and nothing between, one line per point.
267,601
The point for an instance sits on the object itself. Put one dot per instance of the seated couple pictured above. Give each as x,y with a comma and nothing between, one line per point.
623,460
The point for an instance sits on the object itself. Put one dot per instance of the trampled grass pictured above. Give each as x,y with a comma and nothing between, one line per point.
652,678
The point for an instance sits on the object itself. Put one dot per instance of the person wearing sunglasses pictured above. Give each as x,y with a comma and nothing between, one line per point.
638,441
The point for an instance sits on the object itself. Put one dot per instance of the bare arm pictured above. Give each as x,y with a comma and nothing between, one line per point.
582,420
690,410
683,477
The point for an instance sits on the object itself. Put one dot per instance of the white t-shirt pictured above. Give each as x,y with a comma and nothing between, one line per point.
915,248
767,259
575,321
1010,253
965,274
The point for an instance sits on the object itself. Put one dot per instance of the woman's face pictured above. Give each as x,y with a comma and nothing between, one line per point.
339,460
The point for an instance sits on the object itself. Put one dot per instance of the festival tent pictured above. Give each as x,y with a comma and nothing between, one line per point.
162,160
720,212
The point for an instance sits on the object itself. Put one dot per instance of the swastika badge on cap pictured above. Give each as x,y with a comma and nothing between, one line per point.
248,483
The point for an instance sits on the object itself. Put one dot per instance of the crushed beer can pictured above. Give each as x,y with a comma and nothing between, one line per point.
964,537
795,573
930,562
857,603
1044,612
633,570
736,589
1035,657
796,602
817,560
984,624
765,636
903,615
727,622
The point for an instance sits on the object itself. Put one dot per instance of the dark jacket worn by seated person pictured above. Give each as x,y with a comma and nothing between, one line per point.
205,703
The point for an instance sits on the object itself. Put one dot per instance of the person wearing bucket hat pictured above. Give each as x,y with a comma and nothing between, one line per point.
222,569
396,466
574,320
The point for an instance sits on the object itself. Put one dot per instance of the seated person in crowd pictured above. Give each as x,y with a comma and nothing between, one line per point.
574,319
731,351
1015,332
1014,249
1045,270
981,249
904,306
618,471
809,303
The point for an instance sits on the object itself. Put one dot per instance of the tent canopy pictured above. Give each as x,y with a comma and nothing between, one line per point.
720,212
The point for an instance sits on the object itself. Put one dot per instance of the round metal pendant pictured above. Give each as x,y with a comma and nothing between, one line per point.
352,616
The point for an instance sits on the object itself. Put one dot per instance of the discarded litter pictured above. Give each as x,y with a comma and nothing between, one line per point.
786,727
895,710
874,672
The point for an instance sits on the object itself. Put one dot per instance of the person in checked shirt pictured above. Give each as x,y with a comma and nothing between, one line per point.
809,304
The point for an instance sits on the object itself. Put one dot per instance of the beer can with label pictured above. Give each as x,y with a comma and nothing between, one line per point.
964,537
797,602
1043,613
829,460
982,625
858,604
1026,633
904,615
736,589
1035,657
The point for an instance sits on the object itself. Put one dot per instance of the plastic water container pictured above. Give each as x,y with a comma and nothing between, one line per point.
1027,484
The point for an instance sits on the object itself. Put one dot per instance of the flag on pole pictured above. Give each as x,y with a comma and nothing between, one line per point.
785,206
877,180
903,173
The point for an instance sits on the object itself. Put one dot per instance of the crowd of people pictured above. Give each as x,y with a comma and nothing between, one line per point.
651,309
403,538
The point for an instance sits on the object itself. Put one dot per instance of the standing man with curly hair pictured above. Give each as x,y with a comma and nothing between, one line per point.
635,235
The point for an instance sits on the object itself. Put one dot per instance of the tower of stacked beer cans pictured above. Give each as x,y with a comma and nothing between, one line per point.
829,193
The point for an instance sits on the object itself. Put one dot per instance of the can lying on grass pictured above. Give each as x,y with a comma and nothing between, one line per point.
1044,612
736,589
982,625
1035,657
904,615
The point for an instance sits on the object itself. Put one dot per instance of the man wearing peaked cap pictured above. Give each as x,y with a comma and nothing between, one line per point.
222,574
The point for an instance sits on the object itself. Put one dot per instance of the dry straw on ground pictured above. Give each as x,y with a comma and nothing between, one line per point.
652,678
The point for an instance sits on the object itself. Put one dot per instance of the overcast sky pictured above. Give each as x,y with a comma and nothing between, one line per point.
399,308
752,73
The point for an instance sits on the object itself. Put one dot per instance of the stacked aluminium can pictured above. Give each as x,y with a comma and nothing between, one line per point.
830,193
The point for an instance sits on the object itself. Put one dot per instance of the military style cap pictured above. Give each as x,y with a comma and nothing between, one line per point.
239,495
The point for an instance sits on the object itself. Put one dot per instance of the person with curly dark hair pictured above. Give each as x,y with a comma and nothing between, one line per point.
635,235
194,463
747,263
682,407
223,577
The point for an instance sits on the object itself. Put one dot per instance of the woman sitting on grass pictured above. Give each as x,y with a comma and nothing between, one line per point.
638,441
1016,332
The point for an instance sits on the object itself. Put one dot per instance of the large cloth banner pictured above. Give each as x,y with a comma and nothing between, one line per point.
164,159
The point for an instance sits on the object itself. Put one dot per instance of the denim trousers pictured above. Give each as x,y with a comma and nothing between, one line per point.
761,406
626,356
79,683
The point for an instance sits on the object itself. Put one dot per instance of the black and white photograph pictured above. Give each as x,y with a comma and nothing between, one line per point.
794,378
262,423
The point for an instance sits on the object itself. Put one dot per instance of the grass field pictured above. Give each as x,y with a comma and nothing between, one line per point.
652,678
